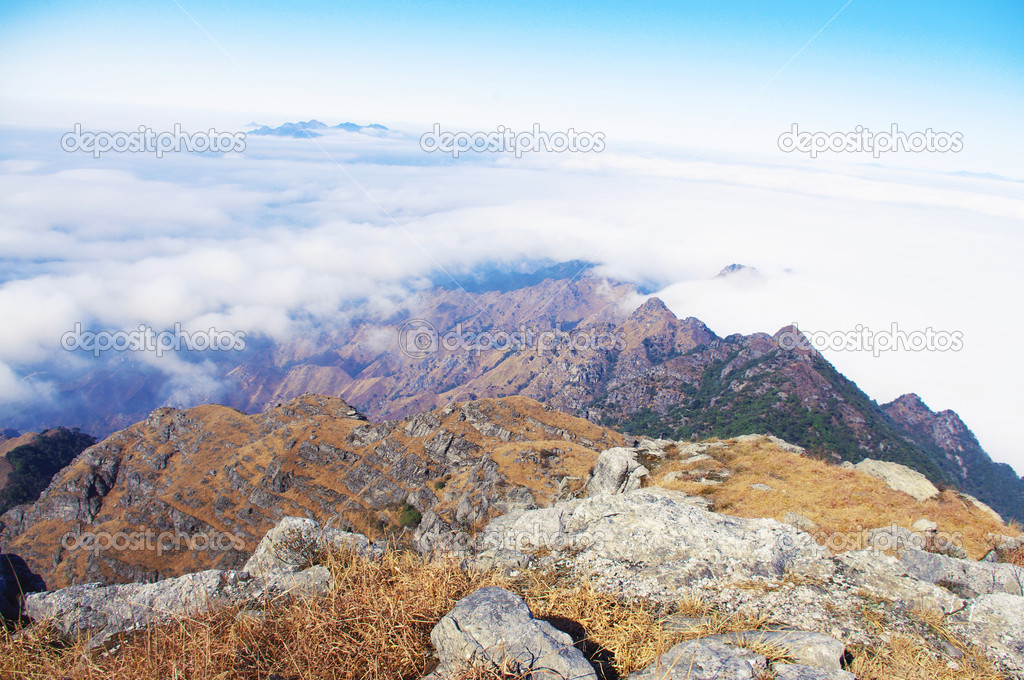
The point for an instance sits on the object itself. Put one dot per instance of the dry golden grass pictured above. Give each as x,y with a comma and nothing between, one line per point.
843,503
910,658
1015,556
375,624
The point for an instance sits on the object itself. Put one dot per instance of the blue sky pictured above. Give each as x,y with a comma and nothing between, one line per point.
728,75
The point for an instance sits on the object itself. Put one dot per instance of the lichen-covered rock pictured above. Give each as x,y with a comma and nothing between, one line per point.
788,671
811,649
616,471
655,533
995,623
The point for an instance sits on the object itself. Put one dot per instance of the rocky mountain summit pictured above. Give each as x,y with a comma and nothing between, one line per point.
772,597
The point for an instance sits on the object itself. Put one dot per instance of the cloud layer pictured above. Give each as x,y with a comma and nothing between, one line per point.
294,231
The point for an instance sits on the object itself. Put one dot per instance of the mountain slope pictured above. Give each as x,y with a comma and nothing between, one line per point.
190,490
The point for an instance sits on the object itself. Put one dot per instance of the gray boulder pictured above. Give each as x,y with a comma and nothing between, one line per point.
704,659
800,522
493,628
896,539
297,543
616,471
964,577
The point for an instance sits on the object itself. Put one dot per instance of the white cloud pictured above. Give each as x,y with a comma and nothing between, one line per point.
254,241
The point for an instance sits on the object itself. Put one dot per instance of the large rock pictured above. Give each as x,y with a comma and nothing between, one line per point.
994,623
658,534
811,649
16,579
98,613
900,478
616,471
493,628
297,543
966,578
704,659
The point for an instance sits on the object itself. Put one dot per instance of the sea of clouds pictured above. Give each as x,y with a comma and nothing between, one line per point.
292,233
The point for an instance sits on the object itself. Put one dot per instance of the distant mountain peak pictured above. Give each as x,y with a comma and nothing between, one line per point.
910,400
731,269
653,305
312,128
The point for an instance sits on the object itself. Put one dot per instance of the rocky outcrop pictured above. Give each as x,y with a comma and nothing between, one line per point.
100,613
493,628
994,623
288,562
900,478
654,534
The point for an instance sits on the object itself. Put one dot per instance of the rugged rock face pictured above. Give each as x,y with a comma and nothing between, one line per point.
964,577
191,490
28,462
